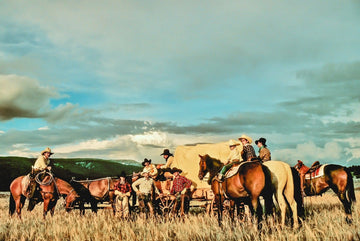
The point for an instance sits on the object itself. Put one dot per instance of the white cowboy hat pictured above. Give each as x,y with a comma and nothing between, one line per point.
234,143
246,138
47,149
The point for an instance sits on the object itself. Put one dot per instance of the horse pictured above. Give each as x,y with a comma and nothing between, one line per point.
94,191
336,177
251,181
50,190
283,186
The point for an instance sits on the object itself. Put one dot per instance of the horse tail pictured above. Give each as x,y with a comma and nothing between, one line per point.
350,186
12,205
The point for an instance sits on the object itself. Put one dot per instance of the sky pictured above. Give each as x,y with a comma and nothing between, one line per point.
127,79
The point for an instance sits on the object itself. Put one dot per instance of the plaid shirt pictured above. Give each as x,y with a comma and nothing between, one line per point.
179,184
248,152
123,188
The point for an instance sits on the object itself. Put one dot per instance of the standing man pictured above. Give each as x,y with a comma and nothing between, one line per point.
122,192
143,188
248,153
181,191
264,153
169,158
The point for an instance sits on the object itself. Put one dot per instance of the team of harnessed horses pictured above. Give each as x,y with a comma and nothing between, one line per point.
245,185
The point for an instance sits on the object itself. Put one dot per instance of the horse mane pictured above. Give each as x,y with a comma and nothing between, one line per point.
212,163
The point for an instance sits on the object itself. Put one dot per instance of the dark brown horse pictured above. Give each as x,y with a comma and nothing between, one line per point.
50,190
251,181
94,191
319,179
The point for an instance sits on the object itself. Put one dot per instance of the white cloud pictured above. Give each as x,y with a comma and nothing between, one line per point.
151,138
308,152
44,128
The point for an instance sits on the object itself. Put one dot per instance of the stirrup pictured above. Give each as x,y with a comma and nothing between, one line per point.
220,177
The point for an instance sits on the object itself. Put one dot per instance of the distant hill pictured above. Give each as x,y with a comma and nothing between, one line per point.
80,168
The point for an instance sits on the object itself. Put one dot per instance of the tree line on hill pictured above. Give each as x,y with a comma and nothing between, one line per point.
80,169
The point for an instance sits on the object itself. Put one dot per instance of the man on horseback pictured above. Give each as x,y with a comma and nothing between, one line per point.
122,192
248,153
149,168
264,153
169,158
41,164
233,158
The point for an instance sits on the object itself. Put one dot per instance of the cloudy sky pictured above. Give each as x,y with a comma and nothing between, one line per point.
126,79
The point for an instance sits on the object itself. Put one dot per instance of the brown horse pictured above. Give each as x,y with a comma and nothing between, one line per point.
94,191
336,177
251,181
50,190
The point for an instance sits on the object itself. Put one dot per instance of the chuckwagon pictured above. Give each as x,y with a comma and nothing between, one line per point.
187,159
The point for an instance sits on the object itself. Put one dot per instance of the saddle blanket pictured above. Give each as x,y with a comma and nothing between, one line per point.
25,182
233,170
319,172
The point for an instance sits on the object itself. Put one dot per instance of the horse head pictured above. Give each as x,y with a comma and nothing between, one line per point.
202,167
301,168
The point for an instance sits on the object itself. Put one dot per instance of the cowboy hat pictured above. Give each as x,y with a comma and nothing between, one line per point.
246,138
234,143
144,172
47,149
261,140
166,152
173,170
122,174
146,160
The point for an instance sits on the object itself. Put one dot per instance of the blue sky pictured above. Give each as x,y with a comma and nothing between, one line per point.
126,79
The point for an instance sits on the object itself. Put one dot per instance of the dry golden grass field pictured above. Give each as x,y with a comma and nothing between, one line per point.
325,220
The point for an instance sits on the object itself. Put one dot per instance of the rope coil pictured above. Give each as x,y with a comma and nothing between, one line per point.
51,179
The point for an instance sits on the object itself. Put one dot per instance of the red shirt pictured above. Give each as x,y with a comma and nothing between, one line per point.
179,184
124,188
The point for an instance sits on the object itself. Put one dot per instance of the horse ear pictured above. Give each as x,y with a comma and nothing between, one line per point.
200,156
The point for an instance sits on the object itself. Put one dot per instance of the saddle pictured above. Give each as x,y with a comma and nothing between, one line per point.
316,170
233,170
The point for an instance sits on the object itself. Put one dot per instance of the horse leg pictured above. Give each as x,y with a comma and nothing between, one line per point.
289,195
232,210
19,203
282,203
52,207
257,209
46,206
219,204
347,205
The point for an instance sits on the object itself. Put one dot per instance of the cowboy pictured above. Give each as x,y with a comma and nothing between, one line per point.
146,186
264,153
180,189
42,163
169,158
122,192
233,158
150,168
248,153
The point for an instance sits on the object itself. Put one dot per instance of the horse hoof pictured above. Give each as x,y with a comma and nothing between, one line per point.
348,220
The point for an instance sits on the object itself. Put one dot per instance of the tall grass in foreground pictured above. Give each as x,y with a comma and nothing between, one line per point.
325,220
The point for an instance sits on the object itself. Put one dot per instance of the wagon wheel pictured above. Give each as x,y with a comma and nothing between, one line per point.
165,205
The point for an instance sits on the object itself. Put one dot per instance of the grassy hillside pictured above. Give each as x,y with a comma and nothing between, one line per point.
80,168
